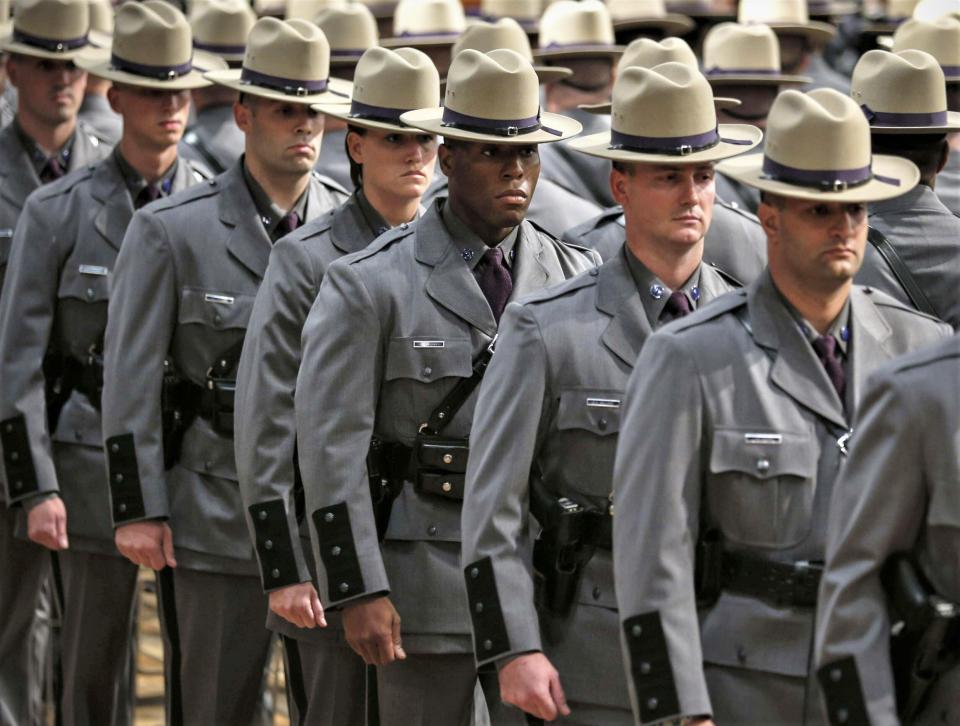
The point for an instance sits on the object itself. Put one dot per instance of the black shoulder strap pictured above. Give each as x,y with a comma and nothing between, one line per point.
886,250
451,403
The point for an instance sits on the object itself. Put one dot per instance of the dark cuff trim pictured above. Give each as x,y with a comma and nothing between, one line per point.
650,667
124,477
17,461
278,566
843,693
338,552
489,629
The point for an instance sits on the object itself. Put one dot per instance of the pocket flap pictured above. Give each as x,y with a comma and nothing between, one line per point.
427,359
763,453
90,283
590,410
215,308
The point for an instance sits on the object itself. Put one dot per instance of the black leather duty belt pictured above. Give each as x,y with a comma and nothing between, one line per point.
779,583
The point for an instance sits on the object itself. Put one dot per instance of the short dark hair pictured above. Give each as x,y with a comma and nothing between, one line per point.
774,200
927,151
622,166
356,170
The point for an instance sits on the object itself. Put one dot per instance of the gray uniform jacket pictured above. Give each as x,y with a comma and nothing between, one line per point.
58,286
588,177
567,353
735,241
824,76
215,138
746,446
95,111
333,161
18,177
264,428
900,492
926,235
948,183
736,194
184,286
552,207
393,329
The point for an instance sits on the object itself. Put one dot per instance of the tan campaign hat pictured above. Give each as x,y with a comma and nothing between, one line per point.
308,9
351,30
286,60
745,54
649,53
903,93
665,115
936,9
421,23
639,14
893,13
506,33
787,17
494,98
387,84
6,24
54,29
818,148
525,12
571,29
101,16
940,38
152,48
221,27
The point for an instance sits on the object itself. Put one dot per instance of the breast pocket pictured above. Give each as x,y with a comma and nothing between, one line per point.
85,282
215,309
761,485
596,412
427,359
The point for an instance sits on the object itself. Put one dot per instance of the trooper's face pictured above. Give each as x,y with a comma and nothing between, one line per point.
395,165
152,117
284,137
49,90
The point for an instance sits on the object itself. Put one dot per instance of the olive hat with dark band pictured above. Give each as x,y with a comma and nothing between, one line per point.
52,29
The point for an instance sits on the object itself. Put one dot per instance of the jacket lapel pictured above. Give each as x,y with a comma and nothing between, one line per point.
19,176
869,334
247,240
618,297
349,231
116,210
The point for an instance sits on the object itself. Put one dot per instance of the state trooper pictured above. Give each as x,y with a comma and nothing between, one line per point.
913,253
52,319
544,445
898,494
553,207
392,167
392,348
183,288
95,110
734,242
578,36
220,27
721,499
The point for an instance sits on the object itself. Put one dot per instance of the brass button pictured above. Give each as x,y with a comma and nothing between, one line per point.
447,487
18,485
596,592
217,319
835,675
602,424
842,715
90,293
448,458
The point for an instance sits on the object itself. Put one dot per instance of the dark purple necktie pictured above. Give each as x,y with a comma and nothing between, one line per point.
677,307
52,170
826,349
288,224
149,193
494,280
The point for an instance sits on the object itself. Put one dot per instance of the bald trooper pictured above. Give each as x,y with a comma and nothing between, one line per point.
546,442
721,503
389,350
183,289
392,165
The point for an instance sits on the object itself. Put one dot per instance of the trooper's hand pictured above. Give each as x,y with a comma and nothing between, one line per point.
147,543
372,628
531,683
47,524
299,604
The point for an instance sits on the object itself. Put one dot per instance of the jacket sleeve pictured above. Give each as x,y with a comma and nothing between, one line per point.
497,543
878,507
27,311
141,320
657,489
265,423
336,401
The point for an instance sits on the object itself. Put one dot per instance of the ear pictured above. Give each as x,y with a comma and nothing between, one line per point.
241,115
355,146
446,156
618,187
944,155
113,98
770,220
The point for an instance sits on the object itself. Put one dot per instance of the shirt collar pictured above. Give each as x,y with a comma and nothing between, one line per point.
654,293
839,329
270,214
378,225
37,155
136,183
471,247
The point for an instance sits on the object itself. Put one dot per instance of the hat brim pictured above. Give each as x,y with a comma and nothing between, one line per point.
100,65
9,45
952,126
580,51
670,24
342,112
749,170
420,41
430,120
753,79
605,108
815,31
599,145
338,91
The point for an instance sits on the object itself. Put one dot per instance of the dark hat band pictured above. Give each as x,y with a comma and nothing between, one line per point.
826,180
54,45
160,73
497,127
368,112
220,48
951,70
346,53
286,86
742,72
670,145
430,34
898,119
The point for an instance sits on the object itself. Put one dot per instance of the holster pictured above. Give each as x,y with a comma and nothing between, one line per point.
179,405
219,394
708,568
382,490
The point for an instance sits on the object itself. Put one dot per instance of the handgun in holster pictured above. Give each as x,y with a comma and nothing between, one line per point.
925,639
559,554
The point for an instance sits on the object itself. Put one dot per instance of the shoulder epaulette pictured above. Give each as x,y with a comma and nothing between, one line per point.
608,215
726,276
200,171
721,306
882,299
95,137
186,196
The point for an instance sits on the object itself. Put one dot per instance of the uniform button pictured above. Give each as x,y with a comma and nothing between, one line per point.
652,704
262,514
432,530
596,592
474,573
118,478
842,715
741,654
343,587
636,631
122,507
447,459
645,669
763,465
335,551
274,573
835,675
90,293
114,448
602,424
447,487
328,517
268,544
487,645
217,319
427,370
478,608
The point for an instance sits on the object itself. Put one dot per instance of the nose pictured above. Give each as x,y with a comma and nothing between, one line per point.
512,166
688,190
414,150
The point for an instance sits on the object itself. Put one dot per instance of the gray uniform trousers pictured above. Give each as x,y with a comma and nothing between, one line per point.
744,445
926,236
735,242
184,287
22,579
325,678
215,138
568,352
900,492
392,330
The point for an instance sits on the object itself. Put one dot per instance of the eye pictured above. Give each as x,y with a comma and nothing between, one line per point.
856,210
426,139
392,138
820,210
489,152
